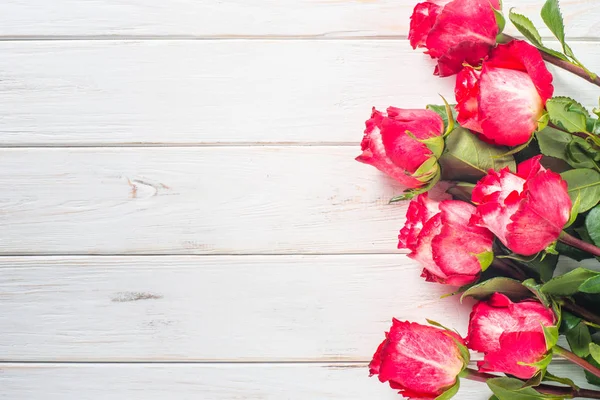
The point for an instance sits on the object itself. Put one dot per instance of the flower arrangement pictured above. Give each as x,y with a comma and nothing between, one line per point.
516,172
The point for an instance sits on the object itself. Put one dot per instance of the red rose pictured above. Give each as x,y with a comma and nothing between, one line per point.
526,211
388,147
505,98
440,238
509,334
420,361
454,32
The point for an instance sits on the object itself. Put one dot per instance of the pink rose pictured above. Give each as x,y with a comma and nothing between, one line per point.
526,211
454,32
420,361
505,99
440,238
509,334
387,146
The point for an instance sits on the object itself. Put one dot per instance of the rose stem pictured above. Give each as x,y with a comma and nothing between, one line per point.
578,243
545,389
581,311
575,359
560,63
509,269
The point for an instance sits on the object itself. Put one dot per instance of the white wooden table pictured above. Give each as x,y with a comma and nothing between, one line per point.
182,216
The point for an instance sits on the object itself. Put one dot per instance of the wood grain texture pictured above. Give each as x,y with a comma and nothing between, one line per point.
210,382
86,93
246,17
207,200
225,308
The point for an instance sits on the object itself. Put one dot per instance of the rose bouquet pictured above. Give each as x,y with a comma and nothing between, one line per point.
503,185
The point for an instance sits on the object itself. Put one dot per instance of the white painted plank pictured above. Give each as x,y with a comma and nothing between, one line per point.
207,200
211,308
210,382
192,92
245,17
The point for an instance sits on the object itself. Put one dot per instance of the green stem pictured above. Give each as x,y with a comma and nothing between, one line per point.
566,65
579,244
581,312
565,391
509,269
575,359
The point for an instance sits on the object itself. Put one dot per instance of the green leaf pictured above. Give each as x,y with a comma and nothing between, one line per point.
427,170
536,379
442,111
584,183
468,158
568,322
592,225
574,212
565,381
512,389
545,267
526,27
543,121
568,284
591,378
412,193
485,259
580,153
591,286
565,113
553,142
494,397
500,20
437,324
510,287
534,288
553,19
551,335
450,393
595,352
579,339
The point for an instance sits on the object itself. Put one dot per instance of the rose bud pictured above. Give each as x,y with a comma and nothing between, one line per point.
526,211
509,334
454,32
391,144
420,361
439,236
505,99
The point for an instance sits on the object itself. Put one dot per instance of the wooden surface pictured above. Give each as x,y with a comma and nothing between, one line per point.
181,213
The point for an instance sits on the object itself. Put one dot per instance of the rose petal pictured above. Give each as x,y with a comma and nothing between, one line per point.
467,99
420,361
463,21
542,216
522,56
489,320
422,20
516,348
509,105
456,248
420,210
497,196
388,147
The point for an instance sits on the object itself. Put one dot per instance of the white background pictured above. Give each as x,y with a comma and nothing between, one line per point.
181,213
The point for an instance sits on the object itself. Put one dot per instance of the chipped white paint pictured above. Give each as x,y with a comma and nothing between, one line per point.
211,308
